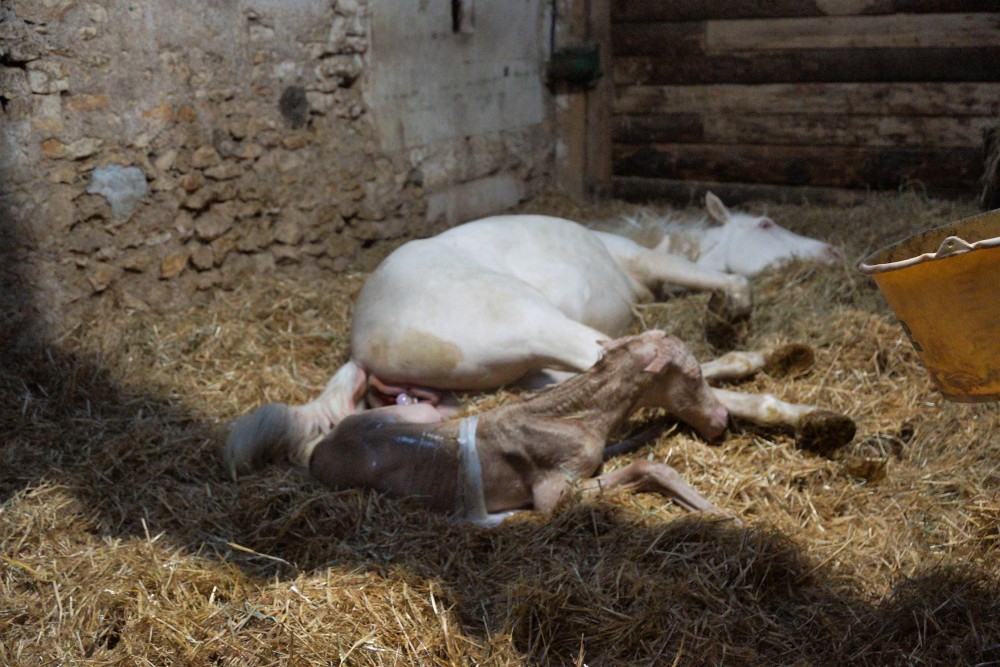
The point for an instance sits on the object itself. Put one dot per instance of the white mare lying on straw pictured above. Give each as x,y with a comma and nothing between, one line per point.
499,300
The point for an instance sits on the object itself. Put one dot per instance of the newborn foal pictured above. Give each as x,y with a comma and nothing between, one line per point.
524,455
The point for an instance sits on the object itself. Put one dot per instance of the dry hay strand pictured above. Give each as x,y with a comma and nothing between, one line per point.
123,542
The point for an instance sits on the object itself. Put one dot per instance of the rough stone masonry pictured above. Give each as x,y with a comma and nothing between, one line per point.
154,152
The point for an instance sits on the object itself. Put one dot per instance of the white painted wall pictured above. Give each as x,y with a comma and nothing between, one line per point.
428,83
430,89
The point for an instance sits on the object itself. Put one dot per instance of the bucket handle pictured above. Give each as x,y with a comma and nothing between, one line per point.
952,245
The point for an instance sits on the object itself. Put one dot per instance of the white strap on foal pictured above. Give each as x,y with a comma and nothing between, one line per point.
471,503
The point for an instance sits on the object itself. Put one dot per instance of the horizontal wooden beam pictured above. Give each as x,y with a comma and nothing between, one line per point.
661,40
897,31
802,129
687,193
644,11
810,66
832,166
681,128
891,99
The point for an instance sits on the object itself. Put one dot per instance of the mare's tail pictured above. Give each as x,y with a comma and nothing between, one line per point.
275,432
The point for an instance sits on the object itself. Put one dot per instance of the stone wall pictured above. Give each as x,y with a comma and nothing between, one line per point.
152,152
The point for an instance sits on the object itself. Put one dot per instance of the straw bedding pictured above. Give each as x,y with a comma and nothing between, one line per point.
122,541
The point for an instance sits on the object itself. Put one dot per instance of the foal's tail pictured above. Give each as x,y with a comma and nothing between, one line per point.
276,431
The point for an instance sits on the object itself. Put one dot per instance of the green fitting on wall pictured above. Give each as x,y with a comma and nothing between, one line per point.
576,64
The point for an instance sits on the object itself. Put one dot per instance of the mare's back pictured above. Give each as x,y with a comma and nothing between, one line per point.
560,258
495,258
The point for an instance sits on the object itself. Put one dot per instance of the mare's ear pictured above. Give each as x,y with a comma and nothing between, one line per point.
716,209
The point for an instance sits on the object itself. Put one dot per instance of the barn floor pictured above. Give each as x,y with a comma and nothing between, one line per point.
123,542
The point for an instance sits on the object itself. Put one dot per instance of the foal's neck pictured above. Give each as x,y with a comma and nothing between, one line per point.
601,398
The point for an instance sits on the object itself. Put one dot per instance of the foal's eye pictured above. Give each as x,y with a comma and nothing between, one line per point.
766,223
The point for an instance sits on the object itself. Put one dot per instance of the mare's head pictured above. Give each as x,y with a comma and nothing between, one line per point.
748,244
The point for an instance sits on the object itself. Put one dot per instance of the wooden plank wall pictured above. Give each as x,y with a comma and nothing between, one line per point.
755,97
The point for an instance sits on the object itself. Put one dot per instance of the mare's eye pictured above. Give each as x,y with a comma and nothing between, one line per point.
766,223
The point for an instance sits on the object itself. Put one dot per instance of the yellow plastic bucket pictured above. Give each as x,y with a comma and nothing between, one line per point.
944,286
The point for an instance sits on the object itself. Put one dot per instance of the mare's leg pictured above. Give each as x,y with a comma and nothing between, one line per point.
728,309
543,379
473,341
657,268
555,342
521,338
791,359
815,429
544,339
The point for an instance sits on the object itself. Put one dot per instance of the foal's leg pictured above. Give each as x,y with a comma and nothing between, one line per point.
639,476
647,476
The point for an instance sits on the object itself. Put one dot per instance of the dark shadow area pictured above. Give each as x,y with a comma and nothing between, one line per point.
601,582
20,316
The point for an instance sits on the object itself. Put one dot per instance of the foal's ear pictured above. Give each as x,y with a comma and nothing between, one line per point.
658,363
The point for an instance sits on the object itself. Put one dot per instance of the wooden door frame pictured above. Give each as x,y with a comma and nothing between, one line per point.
583,114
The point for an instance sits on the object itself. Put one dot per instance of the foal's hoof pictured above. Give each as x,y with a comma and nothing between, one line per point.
789,360
823,432
727,321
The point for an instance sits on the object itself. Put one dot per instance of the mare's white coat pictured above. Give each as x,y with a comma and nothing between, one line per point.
485,303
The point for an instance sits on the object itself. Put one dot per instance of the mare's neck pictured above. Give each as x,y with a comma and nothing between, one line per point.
712,254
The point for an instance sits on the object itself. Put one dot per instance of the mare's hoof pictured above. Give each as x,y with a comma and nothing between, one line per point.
824,432
727,322
789,360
